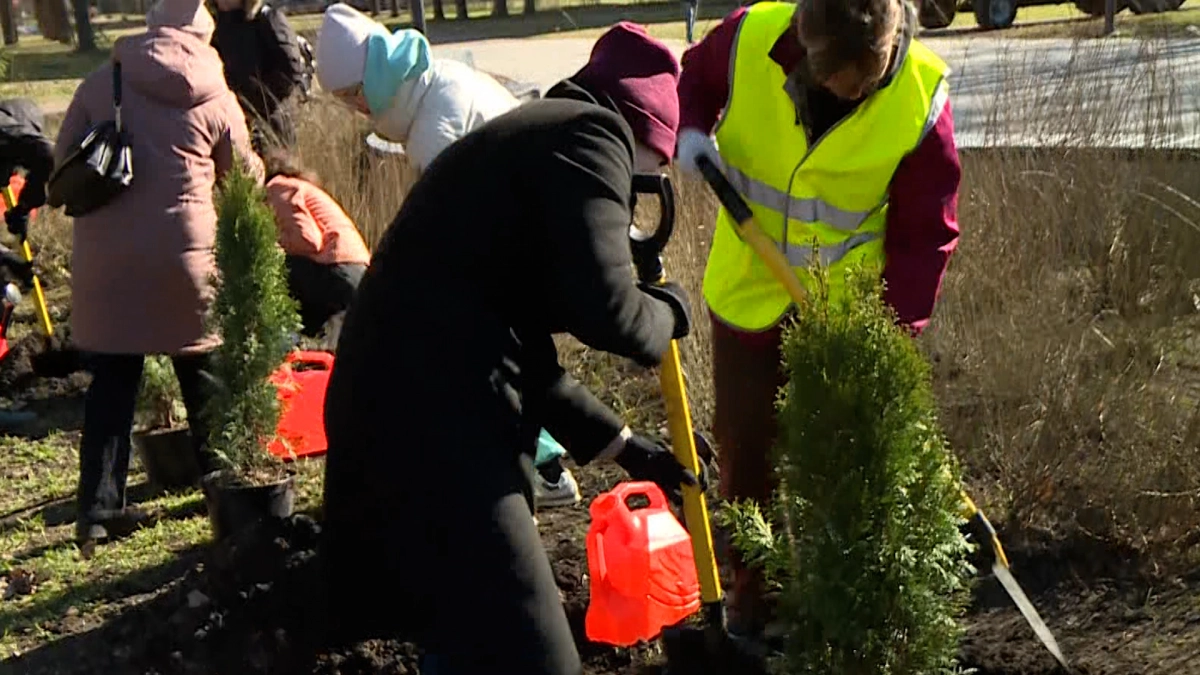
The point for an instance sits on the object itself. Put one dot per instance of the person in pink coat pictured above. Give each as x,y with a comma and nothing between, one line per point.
141,264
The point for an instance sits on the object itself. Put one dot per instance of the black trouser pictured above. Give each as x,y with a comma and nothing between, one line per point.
108,421
321,290
479,590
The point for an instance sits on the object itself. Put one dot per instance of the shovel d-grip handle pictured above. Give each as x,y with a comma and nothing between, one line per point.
647,247
10,202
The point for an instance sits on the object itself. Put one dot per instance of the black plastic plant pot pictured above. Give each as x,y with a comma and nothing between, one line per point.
168,457
233,507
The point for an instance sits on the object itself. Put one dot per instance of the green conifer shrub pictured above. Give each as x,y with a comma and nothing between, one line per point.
160,401
871,563
255,317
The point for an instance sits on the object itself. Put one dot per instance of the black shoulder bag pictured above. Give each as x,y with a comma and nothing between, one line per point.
99,168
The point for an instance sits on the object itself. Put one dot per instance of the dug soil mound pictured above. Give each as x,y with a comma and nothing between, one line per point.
45,375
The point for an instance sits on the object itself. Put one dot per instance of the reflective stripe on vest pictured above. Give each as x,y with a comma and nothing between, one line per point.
832,195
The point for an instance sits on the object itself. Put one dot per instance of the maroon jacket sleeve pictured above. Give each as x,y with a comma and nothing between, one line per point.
922,224
704,82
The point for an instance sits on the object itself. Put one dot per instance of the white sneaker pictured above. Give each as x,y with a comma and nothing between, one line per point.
563,493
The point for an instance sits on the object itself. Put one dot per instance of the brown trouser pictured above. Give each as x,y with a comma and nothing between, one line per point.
747,375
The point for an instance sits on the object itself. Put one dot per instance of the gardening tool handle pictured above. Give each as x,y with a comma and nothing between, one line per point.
750,231
981,523
10,202
647,247
683,445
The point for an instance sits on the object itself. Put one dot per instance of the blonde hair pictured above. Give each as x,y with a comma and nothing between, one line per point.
839,34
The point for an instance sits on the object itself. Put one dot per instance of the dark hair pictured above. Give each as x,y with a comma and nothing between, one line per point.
279,162
838,34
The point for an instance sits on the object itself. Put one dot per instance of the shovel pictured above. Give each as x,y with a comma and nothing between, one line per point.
10,201
709,649
751,232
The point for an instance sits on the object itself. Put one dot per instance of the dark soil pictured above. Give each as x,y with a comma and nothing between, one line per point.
250,605
45,376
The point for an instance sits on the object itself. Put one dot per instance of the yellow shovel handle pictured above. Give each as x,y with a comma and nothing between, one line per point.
683,444
39,297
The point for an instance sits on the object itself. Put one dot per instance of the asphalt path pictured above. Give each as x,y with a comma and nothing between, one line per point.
1104,92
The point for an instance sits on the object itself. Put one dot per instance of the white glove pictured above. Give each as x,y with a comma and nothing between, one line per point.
693,144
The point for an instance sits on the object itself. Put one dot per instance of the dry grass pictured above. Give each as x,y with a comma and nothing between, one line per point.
1065,344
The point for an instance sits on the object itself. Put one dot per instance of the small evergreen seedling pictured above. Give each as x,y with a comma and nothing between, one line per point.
871,564
255,317
159,399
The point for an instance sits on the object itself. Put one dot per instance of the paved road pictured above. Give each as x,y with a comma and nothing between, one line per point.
1005,92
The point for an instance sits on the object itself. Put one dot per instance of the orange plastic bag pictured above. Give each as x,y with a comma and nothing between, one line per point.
643,573
301,382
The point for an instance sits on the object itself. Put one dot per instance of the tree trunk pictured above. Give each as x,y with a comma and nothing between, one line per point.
9,22
439,10
375,7
530,6
499,9
86,38
395,7
460,10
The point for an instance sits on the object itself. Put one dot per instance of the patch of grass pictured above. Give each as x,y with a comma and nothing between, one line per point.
52,589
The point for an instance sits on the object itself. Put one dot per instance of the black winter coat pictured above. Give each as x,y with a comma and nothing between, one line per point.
264,63
23,144
446,369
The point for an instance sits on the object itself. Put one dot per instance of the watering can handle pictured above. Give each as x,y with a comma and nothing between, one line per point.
596,558
314,358
647,489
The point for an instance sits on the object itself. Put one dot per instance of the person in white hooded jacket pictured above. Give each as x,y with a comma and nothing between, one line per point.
423,103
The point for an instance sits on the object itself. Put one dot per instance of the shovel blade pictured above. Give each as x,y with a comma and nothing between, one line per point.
1005,576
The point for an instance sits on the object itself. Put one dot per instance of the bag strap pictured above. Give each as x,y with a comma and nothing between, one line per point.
116,87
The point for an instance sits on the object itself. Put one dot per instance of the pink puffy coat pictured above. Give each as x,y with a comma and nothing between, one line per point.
141,264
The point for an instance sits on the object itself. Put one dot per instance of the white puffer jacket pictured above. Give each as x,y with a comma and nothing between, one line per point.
445,103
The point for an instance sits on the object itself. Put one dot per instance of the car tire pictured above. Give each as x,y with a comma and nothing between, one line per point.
938,13
995,14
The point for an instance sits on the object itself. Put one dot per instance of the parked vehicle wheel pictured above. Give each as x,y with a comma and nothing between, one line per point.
995,14
938,13
1095,7
1154,6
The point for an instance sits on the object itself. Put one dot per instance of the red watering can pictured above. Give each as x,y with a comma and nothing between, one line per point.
643,573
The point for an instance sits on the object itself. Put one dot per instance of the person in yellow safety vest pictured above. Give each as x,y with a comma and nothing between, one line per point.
828,111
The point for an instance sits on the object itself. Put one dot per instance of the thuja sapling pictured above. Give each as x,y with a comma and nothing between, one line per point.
870,561
255,317
160,401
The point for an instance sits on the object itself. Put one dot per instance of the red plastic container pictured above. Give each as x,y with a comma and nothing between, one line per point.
643,573
301,382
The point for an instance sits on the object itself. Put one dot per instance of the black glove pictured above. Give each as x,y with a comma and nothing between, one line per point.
16,269
672,294
643,459
18,222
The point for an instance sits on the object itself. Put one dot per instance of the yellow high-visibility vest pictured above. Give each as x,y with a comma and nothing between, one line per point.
834,194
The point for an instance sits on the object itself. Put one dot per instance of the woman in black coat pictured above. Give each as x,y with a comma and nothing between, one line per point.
23,144
265,66
446,369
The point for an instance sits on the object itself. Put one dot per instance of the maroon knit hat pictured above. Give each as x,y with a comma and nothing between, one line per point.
640,74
